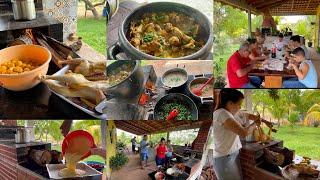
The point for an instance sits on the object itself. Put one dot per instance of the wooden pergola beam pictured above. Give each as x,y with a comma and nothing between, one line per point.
154,127
272,5
240,4
276,7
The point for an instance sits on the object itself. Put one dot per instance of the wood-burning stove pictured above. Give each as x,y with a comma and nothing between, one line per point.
15,162
9,28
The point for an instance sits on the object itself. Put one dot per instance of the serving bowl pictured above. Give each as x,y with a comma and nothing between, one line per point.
26,80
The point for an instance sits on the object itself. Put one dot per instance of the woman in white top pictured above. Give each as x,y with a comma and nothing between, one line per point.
226,132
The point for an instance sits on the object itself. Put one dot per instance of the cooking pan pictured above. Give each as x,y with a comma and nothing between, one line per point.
174,70
176,98
124,46
200,79
129,87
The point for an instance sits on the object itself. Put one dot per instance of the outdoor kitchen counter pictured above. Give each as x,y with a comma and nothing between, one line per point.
12,155
7,22
251,155
12,144
254,147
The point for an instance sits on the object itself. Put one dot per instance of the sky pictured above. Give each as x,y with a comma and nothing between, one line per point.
291,19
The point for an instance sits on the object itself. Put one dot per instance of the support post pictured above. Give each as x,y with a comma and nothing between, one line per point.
103,134
249,24
30,124
111,147
248,99
317,28
168,136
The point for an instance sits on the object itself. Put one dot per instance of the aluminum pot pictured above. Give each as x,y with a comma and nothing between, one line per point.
174,70
129,87
206,32
111,8
176,98
20,136
197,80
23,9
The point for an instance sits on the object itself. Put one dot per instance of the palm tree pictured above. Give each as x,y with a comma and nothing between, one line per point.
313,116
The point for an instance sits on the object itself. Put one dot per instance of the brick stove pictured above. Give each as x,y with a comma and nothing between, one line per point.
14,159
251,158
11,29
201,139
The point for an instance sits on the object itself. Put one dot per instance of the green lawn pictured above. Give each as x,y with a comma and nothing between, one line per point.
90,158
304,140
93,32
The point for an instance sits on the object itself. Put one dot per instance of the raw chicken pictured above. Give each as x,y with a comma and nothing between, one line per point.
93,95
91,70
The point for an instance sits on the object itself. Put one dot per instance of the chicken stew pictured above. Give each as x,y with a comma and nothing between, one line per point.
166,35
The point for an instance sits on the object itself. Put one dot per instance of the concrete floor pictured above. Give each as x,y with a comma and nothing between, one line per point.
133,171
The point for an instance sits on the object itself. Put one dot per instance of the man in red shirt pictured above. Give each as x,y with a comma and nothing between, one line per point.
239,66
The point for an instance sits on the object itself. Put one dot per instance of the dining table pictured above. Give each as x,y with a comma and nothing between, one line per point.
275,69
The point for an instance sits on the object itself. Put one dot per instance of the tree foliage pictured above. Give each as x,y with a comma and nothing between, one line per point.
284,102
313,116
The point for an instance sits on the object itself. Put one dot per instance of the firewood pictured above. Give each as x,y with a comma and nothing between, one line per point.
57,59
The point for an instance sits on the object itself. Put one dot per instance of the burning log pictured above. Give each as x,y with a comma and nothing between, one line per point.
41,157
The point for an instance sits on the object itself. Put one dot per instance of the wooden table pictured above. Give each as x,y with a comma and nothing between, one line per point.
274,78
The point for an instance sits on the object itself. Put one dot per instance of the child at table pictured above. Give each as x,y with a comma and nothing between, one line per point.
306,73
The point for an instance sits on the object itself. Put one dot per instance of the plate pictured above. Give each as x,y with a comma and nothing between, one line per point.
90,112
294,174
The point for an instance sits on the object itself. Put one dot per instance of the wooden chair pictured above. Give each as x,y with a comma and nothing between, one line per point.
273,82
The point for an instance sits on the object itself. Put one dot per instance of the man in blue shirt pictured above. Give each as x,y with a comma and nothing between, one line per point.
144,151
